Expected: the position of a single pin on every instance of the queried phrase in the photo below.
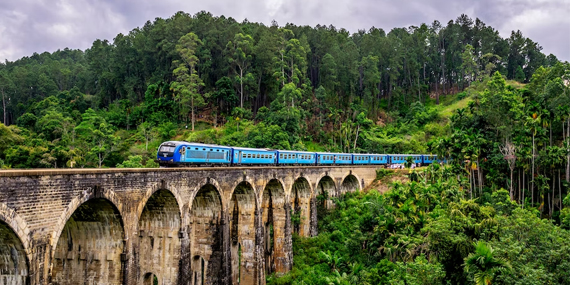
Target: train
(182, 153)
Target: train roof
(339, 153)
(252, 149)
(296, 151)
(177, 143)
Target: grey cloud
(28, 26)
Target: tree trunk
(240, 90)
(4, 106)
(523, 188)
(553, 193)
(532, 173)
(192, 103)
(560, 189)
(568, 150)
(511, 192)
(356, 138)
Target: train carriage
(325, 158)
(295, 157)
(402, 158)
(360, 159)
(429, 158)
(378, 159)
(244, 155)
(193, 153)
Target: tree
(188, 84)
(98, 135)
(469, 64)
(484, 265)
(519, 74)
(147, 131)
(509, 151)
(8, 137)
(240, 51)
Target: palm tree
(484, 265)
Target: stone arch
(326, 186)
(198, 271)
(300, 200)
(350, 183)
(17, 224)
(14, 254)
(159, 240)
(75, 203)
(150, 192)
(213, 185)
(242, 213)
(276, 228)
(207, 233)
(90, 246)
(150, 279)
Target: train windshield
(166, 148)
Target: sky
(28, 26)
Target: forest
(247, 84)
(498, 110)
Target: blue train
(181, 153)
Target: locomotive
(182, 153)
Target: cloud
(28, 26)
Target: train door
(239, 157)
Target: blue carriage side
(244, 155)
(430, 158)
(402, 158)
(378, 159)
(361, 159)
(325, 158)
(196, 153)
(295, 157)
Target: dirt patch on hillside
(385, 183)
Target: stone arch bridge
(161, 226)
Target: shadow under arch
(90, 245)
(14, 262)
(151, 192)
(150, 279)
(324, 190)
(159, 247)
(77, 202)
(350, 184)
(300, 200)
(276, 228)
(242, 213)
(206, 234)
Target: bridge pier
(175, 226)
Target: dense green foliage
(266, 86)
(428, 232)
(517, 139)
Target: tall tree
(240, 56)
(188, 83)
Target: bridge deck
(72, 171)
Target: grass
(447, 111)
